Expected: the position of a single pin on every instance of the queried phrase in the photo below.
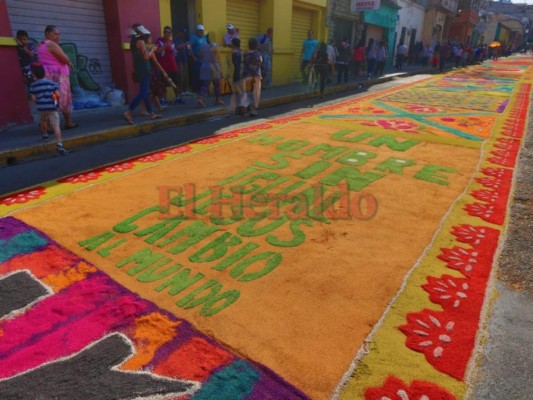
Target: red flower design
(507, 144)
(502, 153)
(179, 150)
(434, 334)
(505, 158)
(397, 125)
(309, 113)
(23, 196)
(476, 236)
(395, 389)
(496, 172)
(486, 212)
(151, 157)
(512, 133)
(115, 168)
(250, 129)
(473, 235)
(228, 135)
(490, 182)
(263, 126)
(490, 196)
(208, 140)
(81, 178)
(448, 291)
(460, 259)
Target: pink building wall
(14, 106)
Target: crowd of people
(177, 63)
(164, 68)
(457, 54)
(182, 63)
(320, 62)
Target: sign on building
(365, 5)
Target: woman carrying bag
(142, 66)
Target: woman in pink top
(57, 66)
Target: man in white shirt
(332, 59)
(401, 55)
(231, 34)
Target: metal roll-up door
(374, 32)
(83, 34)
(301, 22)
(244, 14)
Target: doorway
(182, 15)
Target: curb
(12, 156)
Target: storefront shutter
(374, 32)
(244, 14)
(301, 23)
(81, 22)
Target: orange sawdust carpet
(345, 252)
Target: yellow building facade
(290, 21)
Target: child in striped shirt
(45, 94)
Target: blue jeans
(267, 61)
(303, 67)
(144, 95)
(371, 66)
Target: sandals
(155, 116)
(128, 119)
(200, 104)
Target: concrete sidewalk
(102, 124)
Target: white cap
(143, 30)
(200, 28)
(230, 26)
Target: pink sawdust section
(63, 324)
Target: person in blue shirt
(45, 94)
(308, 50)
(197, 40)
(265, 47)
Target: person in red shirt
(358, 58)
(166, 56)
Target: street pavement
(20, 143)
(506, 352)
